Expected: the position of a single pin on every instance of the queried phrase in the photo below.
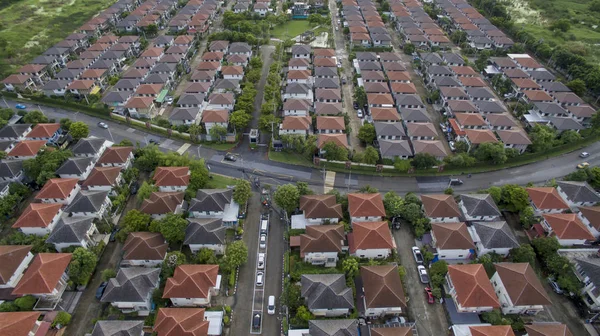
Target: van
(271, 306)
(264, 224)
(256, 321)
(261, 261)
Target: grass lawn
(293, 27)
(220, 182)
(32, 26)
(219, 146)
(291, 158)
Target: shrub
(25, 303)
(62, 318)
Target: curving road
(275, 173)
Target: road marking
(256, 289)
(329, 181)
(131, 130)
(183, 148)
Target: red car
(430, 298)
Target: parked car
(429, 295)
(583, 165)
(134, 188)
(395, 320)
(113, 234)
(418, 255)
(230, 157)
(261, 261)
(452, 145)
(153, 142)
(584, 155)
(263, 241)
(256, 321)
(423, 276)
(100, 290)
(555, 287)
(20, 107)
(359, 113)
(355, 105)
(259, 279)
(271, 305)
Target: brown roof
(93, 73)
(362, 205)
(298, 74)
(472, 286)
(339, 139)
(403, 88)
(102, 176)
(37, 215)
(11, 256)
(81, 84)
(462, 105)
(470, 119)
(183, 39)
(152, 52)
(322, 238)
(162, 202)
(383, 286)
(452, 236)
(43, 274)
(31, 68)
(546, 198)
(592, 214)
(191, 281)
(16, 79)
(421, 129)
(370, 235)
(538, 95)
(145, 246)
(324, 52)
(433, 147)
(204, 65)
(181, 322)
(477, 136)
(59, 188)
(440, 205)
(398, 76)
(525, 83)
(18, 323)
(298, 62)
(463, 70)
(501, 119)
(296, 104)
(522, 284)
(320, 206)
(547, 329)
(172, 176)
(497, 330)
(324, 61)
(568, 226)
(232, 70)
(384, 113)
(43, 130)
(140, 102)
(115, 154)
(149, 89)
(213, 56)
(380, 99)
(296, 123)
(331, 94)
(472, 82)
(330, 123)
(527, 62)
(393, 331)
(215, 116)
(27, 148)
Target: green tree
(393, 204)
(145, 190)
(108, 273)
(424, 161)
(26, 303)
(79, 130)
(461, 146)
(489, 151)
(44, 165)
(570, 136)
(303, 314)
(172, 227)
(366, 133)
(409, 48)
(514, 197)
(291, 296)
(65, 124)
(496, 193)
(242, 191)
(133, 221)
(217, 132)
(527, 217)
(236, 255)
(303, 188)
(287, 197)
(371, 155)
(206, 256)
(335, 152)
(350, 267)
(172, 260)
(546, 246)
(522, 254)
(35, 117)
(83, 264)
(240, 120)
(577, 86)
(562, 24)
(542, 138)
(62, 318)
(460, 160)
(266, 122)
(360, 96)
(594, 6)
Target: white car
(263, 241)
(417, 254)
(259, 279)
(584, 155)
(261, 261)
(271, 305)
(423, 276)
(452, 145)
(359, 113)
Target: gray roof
(118, 328)
(103, 64)
(5, 144)
(555, 87)
(132, 284)
(211, 200)
(239, 47)
(366, 56)
(326, 71)
(87, 201)
(301, 49)
(163, 39)
(391, 148)
(328, 83)
(56, 84)
(69, 73)
(579, 192)
(482, 40)
(156, 79)
(381, 37)
(480, 92)
(227, 84)
(432, 58)
(74, 166)
(439, 70)
(480, 205)
(489, 106)
(495, 235)
(205, 231)
(88, 146)
(70, 230)
(10, 168)
(541, 75)
(184, 113)
(117, 96)
(408, 99)
(453, 58)
(44, 60)
(550, 108)
(389, 128)
(414, 114)
(14, 131)
(164, 67)
(127, 84)
(296, 88)
(563, 124)
(347, 327)
(326, 291)
(369, 66)
(442, 81)
(591, 268)
(191, 99)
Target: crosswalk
(183, 148)
(329, 181)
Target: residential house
(327, 295)
(329, 125)
(567, 228)
(79, 168)
(452, 241)
(39, 218)
(104, 179)
(380, 100)
(116, 156)
(88, 203)
(178, 321)
(328, 108)
(333, 327)
(371, 240)
(118, 328)
(296, 107)
(470, 289)
(577, 194)
(440, 208)
(394, 149)
(317, 210)
(171, 178)
(587, 269)
(502, 121)
(193, 285)
(296, 125)
(215, 203)
(90, 147)
(365, 207)
(25, 149)
(205, 233)
(547, 329)
(340, 139)
(131, 290)
(471, 121)
(145, 249)
(73, 231)
(328, 95)
(159, 204)
(213, 118)
(298, 64)
(219, 46)
(58, 190)
(19, 83)
(590, 216)
(493, 237)
(241, 48)
(421, 131)
(546, 200)
(139, 107)
(220, 101)
(479, 207)
(55, 87)
(382, 291)
(519, 289)
(48, 132)
(14, 260)
(321, 244)
(514, 138)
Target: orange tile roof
(477, 136)
(472, 82)
(102, 176)
(115, 154)
(296, 123)
(140, 102)
(538, 95)
(215, 116)
(27, 148)
(547, 329)
(383, 286)
(181, 322)
(11, 256)
(162, 202)
(322, 238)
(191, 281)
(452, 236)
(339, 139)
(18, 323)
(232, 70)
(470, 119)
(385, 113)
(298, 74)
(145, 246)
(37, 215)
(330, 123)
(370, 235)
(440, 205)
(324, 52)
(522, 284)
(43, 274)
(320, 206)
(59, 188)
(380, 99)
(472, 286)
(497, 330)
(81, 84)
(568, 226)
(463, 70)
(361, 205)
(546, 198)
(404, 88)
(43, 130)
(172, 176)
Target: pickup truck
(417, 254)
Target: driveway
(430, 318)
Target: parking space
(258, 297)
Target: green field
(31, 26)
(290, 29)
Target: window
(460, 255)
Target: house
(333, 327)
(587, 269)
(58, 190)
(519, 289)
(567, 228)
(327, 295)
(145, 249)
(46, 279)
(393, 149)
(104, 179)
(25, 149)
(502, 121)
(380, 100)
(241, 48)
(365, 207)
(339, 139)
(159, 204)
(301, 51)
(118, 328)
(15, 132)
(298, 64)
(479, 207)
(471, 121)
(212, 118)
(205, 233)
(421, 131)
(24, 323)
(440, 208)
(131, 290)
(371, 240)
(193, 285)
(470, 289)
(220, 101)
(590, 216)
(178, 321)
(547, 329)
(481, 329)
(14, 260)
(219, 46)
(296, 107)
(172, 178)
(90, 147)
(328, 108)
(16, 82)
(116, 156)
(317, 210)
(546, 200)
(321, 244)
(215, 203)
(493, 237)
(88, 203)
(73, 231)
(233, 72)
(329, 125)
(577, 194)
(514, 138)
(382, 291)
(39, 218)
(452, 241)
(296, 125)
(48, 132)
(187, 115)
(79, 168)
(140, 106)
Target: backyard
(290, 29)
(29, 27)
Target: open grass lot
(31, 26)
(290, 29)
(220, 181)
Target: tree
(124, 143)
(409, 48)
(267, 122)
(368, 189)
(393, 204)
(461, 146)
(62, 318)
(217, 132)
(287, 197)
(172, 227)
(240, 119)
(521, 254)
(577, 86)
(35, 117)
(206, 256)
(83, 264)
(291, 296)
(563, 25)
(242, 191)
(423, 161)
(303, 188)
(366, 133)
(496, 193)
(371, 155)
(360, 96)
(151, 29)
(411, 212)
(148, 158)
(108, 273)
(145, 190)
(335, 152)
(236, 255)
(514, 197)
(303, 314)
(542, 138)
(546, 246)
(489, 151)
(172, 260)
(350, 267)
(44, 165)
(65, 124)
(79, 130)
(133, 221)
(570, 136)
(26, 303)
(527, 217)
(594, 6)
